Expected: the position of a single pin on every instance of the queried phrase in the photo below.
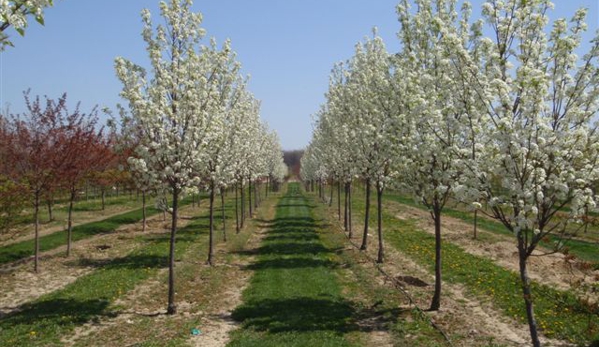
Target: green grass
(44, 321)
(559, 314)
(96, 204)
(361, 282)
(294, 298)
(60, 209)
(584, 250)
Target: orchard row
(190, 125)
(498, 113)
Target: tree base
(171, 309)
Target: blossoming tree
(14, 13)
(170, 106)
(540, 149)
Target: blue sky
(287, 46)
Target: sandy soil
(555, 269)
(217, 324)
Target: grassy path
(294, 298)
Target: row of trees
(497, 113)
(194, 123)
(46, 152)
(192, 126)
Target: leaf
(40, 19)
(21, 31)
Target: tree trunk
(475, 223)
(103, 199)
(70, 222)
(211, 228)
(349, 211)
(366, 217)
(242, 203)
(526, 292)
(250, 196)
(236, 209)
(436, 302)
(256, 197)
(172, 308)
(379, 204)
(331, 197)
(339, 199)
(267, 185)
(50, 214)
(222, 207)
(143, 211)
(346, 206)
(36, 217)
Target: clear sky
(287, 46)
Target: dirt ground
(477, 323)
(217, 323)
(205, 296)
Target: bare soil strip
(217, 324)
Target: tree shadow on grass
(297, 314)
(296, 205)
(55, 316)
(277, 237)
(58, 311)
(306, 314)
(142, 261)
(292, 263)
(290, 248)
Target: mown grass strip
(44, 321)
(584, 250)
(382, 303)
(24, 249)
(294, 298)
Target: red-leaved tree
(35, 151)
